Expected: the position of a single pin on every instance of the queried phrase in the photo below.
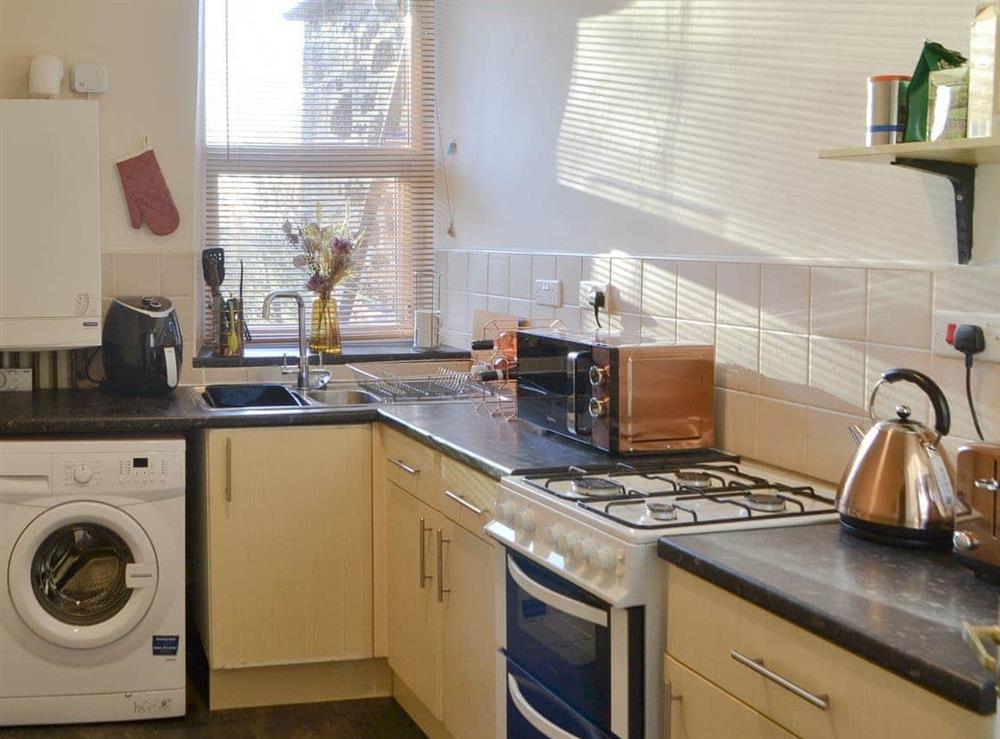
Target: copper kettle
(897, 490)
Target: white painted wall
(689, 128)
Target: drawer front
(696, 709)
(411, 465)
(467, 497)
(804, 683)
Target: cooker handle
(555, 600)
(942, 414)
(572, 362)
(541, 724)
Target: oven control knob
(601, 559)
(598, 375)
(598, 407)
(506, 512)
(583, 549)
(83, 474)
(524, 520)
(567, 543)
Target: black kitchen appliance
(142, 346)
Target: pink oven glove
(147, 194)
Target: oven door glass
(536, 713)
(560, 634)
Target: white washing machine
(92, 595)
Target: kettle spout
(856, 433)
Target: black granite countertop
(492, 445)
(489, 443)
(899, 608)
(101, 412)
(271, 355)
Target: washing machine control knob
(83, 474)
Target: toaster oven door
(553, 389)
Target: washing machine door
(82, 574)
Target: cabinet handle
(229, 469)
(404, 467)
(423, 553)
(460, 499)
(822, 702)
(668, 706)
(441, 541)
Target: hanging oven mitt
(147, 194)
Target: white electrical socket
(989, 322)
(589, 288)
(15, 379)
(548, 292)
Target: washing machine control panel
(119, 472)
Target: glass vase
(325, 335)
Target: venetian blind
(327, 102)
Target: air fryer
(142, 346)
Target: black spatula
(213, 268)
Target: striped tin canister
(886, 117)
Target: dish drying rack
(443, 384)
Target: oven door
(533, 712)
(578, 647)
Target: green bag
(933, 57)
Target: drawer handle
(463, 502)
(404, 467)
(822, 702)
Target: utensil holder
(231, 329)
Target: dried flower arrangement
(326, 251)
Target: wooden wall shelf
(984, 150)
(954, 159)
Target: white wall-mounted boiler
(50, 224)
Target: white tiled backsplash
(797, 347)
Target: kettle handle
(942, 414)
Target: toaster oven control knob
(524, 520)
(598, 375)
(506, 512)
(83, 474)
(598, 407)
(601, 559)
(585, 548)
(552, 535)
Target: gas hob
(597, 526)
(665, 497)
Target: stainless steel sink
(338, 397)
(274, 397)
(240, 397)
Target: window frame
(404, 163)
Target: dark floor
(376, 718)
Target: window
(327, 102)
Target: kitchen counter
(492, 445)
(898, 608)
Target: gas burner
(594, 486)
(694, 478)
(764, 502)
(661, 510)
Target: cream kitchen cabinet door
(699, 710)
(469, 652)
(288, 544)
(414, 615)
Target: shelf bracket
(963, 180)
